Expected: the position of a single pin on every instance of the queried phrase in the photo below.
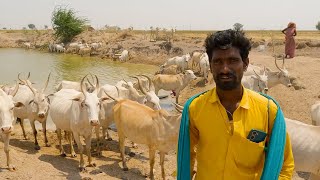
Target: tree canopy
(238, 27)
(67, 24)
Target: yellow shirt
(223, 150)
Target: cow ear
(18, 104)
(76, 99)
(104, 98)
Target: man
(233, 132)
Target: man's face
(227, 68)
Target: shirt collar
(244, 103)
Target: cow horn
(151, 85)
(275, 61)
(140, 86)
(125, 81)
(28, 75)
(179, 110)
(97, 83)
(15, 90)
(256, 74)
(90, 82)
(28, 84)
(20, 78)
(113, 98)
(178, 106)
(46, 84)
(81, 86)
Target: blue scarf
(274, 153)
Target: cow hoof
(92, 165)
(48, 145)
(26, 138)
(109, 139)
(63, 155)
(125, 169)
(83, 169)
(12, 168)
(73, 155)
(37, 147)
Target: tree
(45, 27)
(238, 27)
(31, 26)
(66, 24)
(318, 26)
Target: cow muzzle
(94, 122)
(289, 85)
(6, 129)
(41, 115)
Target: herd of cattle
(83, 49)
(134, 107)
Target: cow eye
(11, 109)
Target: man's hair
(226, 39)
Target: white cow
(124, 55)
(175, 83)
(36, 107)
(305, 144)
(76, 112)
(315, 113)
(172, 69)
(195, 58)
(27, 45)
(258, 83)
(181, 62)
(204, 66)
(274, 77)
(96, 46)
(6, 121)
(155, 128)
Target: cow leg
(98, 148)
(88, 149)
(22, 127)
(177, 96)
(36, 147)
(70, 139)
(162, 154)
(104, 130)
(77, 139)
(44, 128)
(152, 154)
(62, 153)
(122, 149)
(6, 139)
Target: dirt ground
(47, 164)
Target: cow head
(283, 75)
(91, 102)
(261, 81)
(189, 75)
(40, 102)
(152, 100)
(6, 110)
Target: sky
(179, 14)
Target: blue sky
(181, 14)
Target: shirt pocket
(245, 159)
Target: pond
(66, 67)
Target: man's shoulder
(261, 100)
(197, 102)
